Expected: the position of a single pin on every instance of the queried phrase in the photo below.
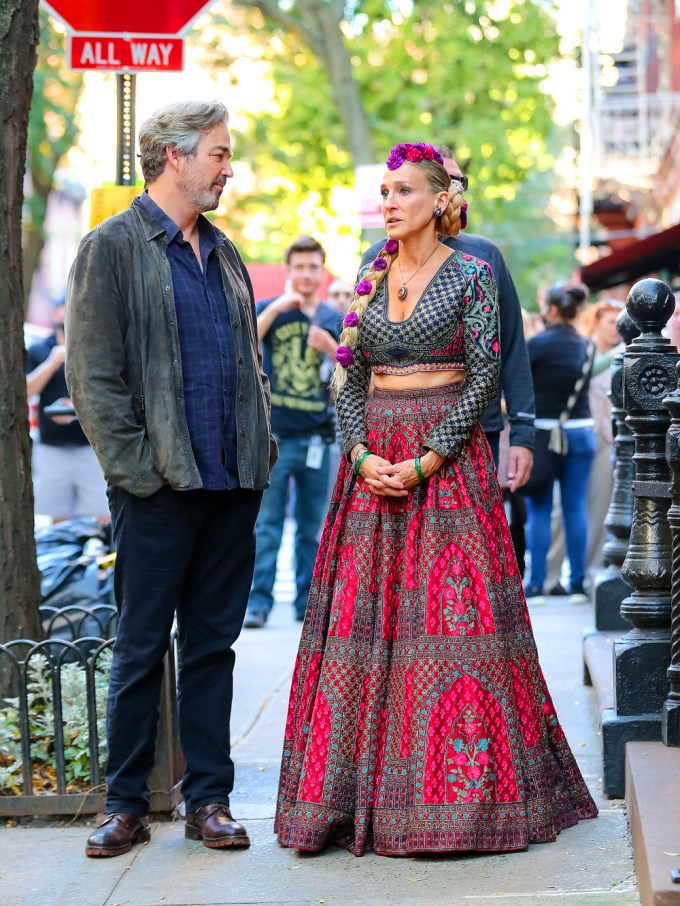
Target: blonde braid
(449, 223)
(358, 305)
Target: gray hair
(179, 125)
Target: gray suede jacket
(123, 365)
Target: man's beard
(200, 198)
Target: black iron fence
(52, 725)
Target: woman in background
(561, 363)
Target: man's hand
(57, 356)
(520, 461)
(322, 341)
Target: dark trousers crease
(189, 553)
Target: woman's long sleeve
(351, 402)
(482, 363)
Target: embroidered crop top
(454, 325)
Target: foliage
(40, 695)
(52, 132)
(465, 73)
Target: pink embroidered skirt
(419, 719)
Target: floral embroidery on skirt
(419, 719)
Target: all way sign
(126, 35)
(117, 54)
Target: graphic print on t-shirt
(296, 369)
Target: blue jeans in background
(310, 504)
(573, 475)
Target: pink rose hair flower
(413, 152)
(463, 215)
(345, 356)
(364, 288)
(351, 319)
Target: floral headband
(412, 152)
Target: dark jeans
(573, 475)
(311, 502)
(189, 553)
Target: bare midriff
(418, 379)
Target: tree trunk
(19, 578)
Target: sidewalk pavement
(589, 865)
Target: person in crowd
(339, 295)
(419, 720)
(67, 479)
(165, 373)
(515, 383)
(299, 335)
(598, 321)
(561, 364)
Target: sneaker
(558, 591)
(254, 620)
(534, 595)
(577, 593)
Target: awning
(640, 259)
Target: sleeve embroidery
(482, 353)
(351, 399)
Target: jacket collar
(153, 229)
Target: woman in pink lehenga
(419, 719)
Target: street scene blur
(340, 452)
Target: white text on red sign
(134, 54)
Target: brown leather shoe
(214, 825)
(116, 835)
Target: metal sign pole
(125, 166)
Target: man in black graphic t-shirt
(299, 337)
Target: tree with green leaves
(349, 80)
(52, 131)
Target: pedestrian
(419, 720)
(515, 382)
(598, 322)
(299, 335)
(339, 295)
(165, 372)
(561, 365)
(67, 479)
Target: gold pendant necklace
(402, 292)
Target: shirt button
(167, 287)
(242, 433)
(240, 360)
(241, 396)
(234, 323)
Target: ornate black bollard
(670, 722)
(641, 657)
(610, 589)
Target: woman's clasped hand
(396, 479)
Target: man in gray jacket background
(165, 372)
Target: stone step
(653, 803)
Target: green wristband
(357, 462)
(419, 471)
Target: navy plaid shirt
(207, 350)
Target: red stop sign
(157, 17)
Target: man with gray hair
(165, 372)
